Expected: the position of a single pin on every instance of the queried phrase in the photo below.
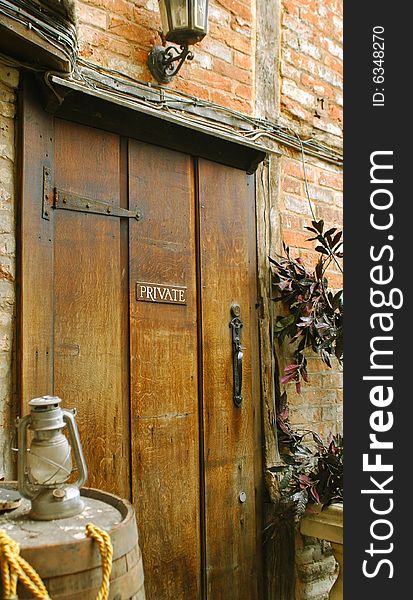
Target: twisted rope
(13, 567)
(102, 538)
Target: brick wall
(320, 401)
(8, 84)
(311, 101)
(311, 64)
(120, 33)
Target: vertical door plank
(91, 347)
(232, 455)
(164, 383)
(35, 256)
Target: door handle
(236, 325)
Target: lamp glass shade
(49, 459)
(184, 22)
(201, 15)
(179, 14)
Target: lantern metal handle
(26, 489)
(69, 419)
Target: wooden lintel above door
(140, 121)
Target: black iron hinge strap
(60, 199)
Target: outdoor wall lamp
(184, 22)
(46, 466)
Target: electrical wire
(53, 28)
(250, 128)
(61, 34)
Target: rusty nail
(109, 209)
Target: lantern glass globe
(184, 22)
(49, 458)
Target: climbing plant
(313, 470)
(315, 313)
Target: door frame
(36, 140)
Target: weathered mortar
(8, 83)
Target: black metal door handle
(236, 325)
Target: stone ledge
(326, 524)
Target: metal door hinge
(48, 194)
(60, 199)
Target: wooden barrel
(68, 562)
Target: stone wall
(316, 569)
(8, 84)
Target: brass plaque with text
(158, 292)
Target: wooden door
(151, 376)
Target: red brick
(232, 39)
(291, 7)
(296, 109)
(244, 61)
(332, 381)
(297, 25)
(332, 180)
(310, 16)
(334, 63)
(228, 100)
(190, 87)
(293, 186)
(92, 16)
(291, 221)
(309, 257)
(290, 72)
(122, 8)
(316, 365)
(295, 169)
(208, 78)
(300, 61)
(233, 72)
(133, 32)
(147, 18)
(297, 239)
(243, 91)
(320, 87)
(238, 8)
(335, 281)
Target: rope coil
(13, 567)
